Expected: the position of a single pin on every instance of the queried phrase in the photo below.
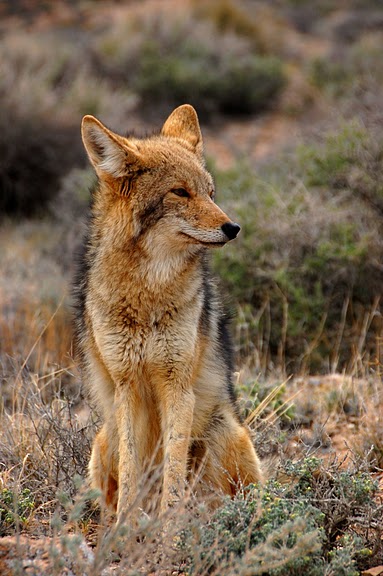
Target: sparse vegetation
(178, 59)
(304, 277)
(347, 73)
(310, 275)
(167, 58)
(210, 82)
(307, 525)
(15, 509)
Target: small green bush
(250, 85)
(170, 61)
(15, 509)
(272, 397)
(349, 159)
(310, 525)
(343, 74)
(208, 81)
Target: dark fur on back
(83, 263)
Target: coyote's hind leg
(231, 459)
(103, 466)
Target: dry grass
(46, 429)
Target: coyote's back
(152, 339)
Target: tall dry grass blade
(334, 361)
(272, 418)
(40, 335)
(265, 402)
(314, 343)
(357, 359)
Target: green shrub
(174, 78)
(344, 73)
(349, 159)
(304, 269)
(270, 397)
(207, 81)
(311, 525)
(250, 85)
(15, 508)
(172, 60)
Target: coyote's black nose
(230, 229)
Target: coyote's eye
(181, 192)
(212, 194)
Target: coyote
(153, 341)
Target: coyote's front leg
(177, 417)
(126, 416)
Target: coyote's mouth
(204, 242)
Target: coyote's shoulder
(152, 339)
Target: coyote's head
(157, 189)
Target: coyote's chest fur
(138, 325)
(152, 339)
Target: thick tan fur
(150, 331)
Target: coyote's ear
(106, 150)
(183, 124)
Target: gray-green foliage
(211, 81)
(15, 508)
(308, 525)
(176, 61)
(305, 268)
(185, 60)
(346, 73)
(349, 160)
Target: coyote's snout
(152, 339)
